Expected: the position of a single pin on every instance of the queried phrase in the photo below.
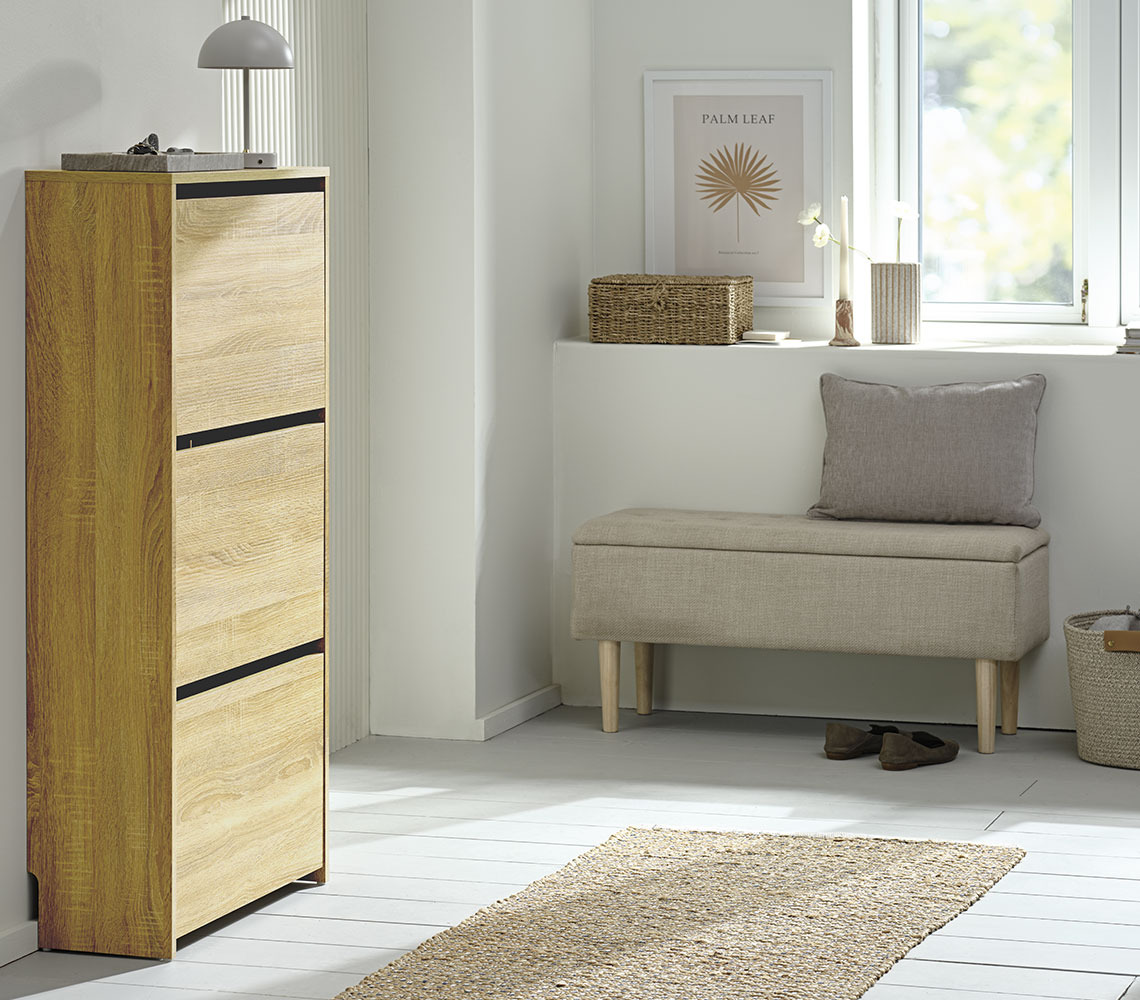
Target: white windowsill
(1044, 338)
(962, 338)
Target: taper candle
(844, 264)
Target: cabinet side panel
(322, 874)
(100, 616)
(134, 445)
(60, 468)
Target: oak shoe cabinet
(176, 548)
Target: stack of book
(763, 336)
(1131, 343)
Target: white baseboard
(517, 712)
(490, 725)
(17, 941)
(432, 729)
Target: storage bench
(779, 581)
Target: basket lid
(675, 279)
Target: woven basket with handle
(670, 309)
(1106, 694)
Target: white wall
(533, 232)
(422, 355)
(75, 76)
(480, 197)
(741, 428)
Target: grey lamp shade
(245, 44)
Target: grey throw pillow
(947, 453)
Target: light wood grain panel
(249, 286)
(986, 678)
(609, 664)
(249, 773)
(1010, 685)
(60, 556)
(249, 548)
(643, 668)
(234, 639)
(321, 875)
(99, 457)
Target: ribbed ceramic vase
(896, 303)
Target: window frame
(1130, 164)
(1097, 53)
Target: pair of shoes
(898, 750)
(844, 742)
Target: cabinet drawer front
(249, 549)
(249, 789)
(249, 308)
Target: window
(1008, 128)
(1130, 163)
(996, 155)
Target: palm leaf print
(740, 174)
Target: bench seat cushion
(711, 529)
(790, 582)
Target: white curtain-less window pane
(997, 151)
(1130, 163)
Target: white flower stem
(869, 258)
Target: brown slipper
(844, 742)
(901, 752)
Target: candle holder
(844, 325)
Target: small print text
(739, 119)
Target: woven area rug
(702, 916)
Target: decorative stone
(145, 147)
(155, 163)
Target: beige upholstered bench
(706, 578)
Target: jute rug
(702, 916)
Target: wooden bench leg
(609, 660)
(986, 672)
(1010, 682)
(643, 662)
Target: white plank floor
(425, 832)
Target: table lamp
(247, 45)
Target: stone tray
(162, 163)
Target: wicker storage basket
(669, 309)
(1106, 695)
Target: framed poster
(731, 158)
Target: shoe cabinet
(176, 548)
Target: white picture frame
(731, 158)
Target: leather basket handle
(1122, 642)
